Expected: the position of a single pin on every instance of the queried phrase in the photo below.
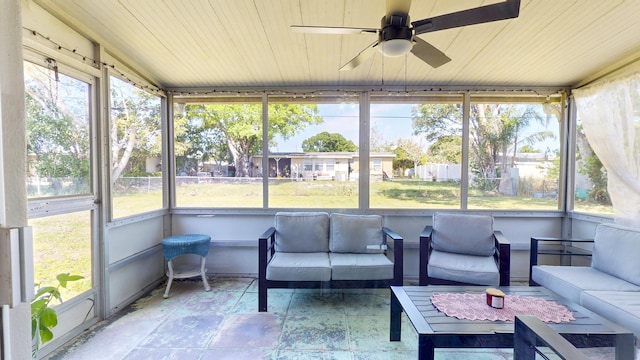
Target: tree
(241, 127)
(590, 165)
(414, 151)
(328, 142)
(136, 132)
(446, 150)
(57, 127)
(495, 132)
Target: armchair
(464, 249)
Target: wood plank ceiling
(248, 43)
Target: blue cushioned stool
(177, 245)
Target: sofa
(318, 250)
(610, 286)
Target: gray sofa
(318, 250)
(609, 287)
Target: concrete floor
(225, 324)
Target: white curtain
(610, 115)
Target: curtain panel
(610, 115)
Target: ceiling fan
(397, 35)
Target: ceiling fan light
(395, 47)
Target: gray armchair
(464, 249)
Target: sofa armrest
(266, 248)
(534, 250)
(503, 254)
(398, 255)
(425, 250)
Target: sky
(393, 121)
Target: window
(57, 112)
(216, 143)
(591, 178)
(58, 125)
(316, 144)
(62, 244)
(514, 160)
(377, 165)
(136, 150)
(416, 153)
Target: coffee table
(436, 330)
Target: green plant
(43, 317)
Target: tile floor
(225, 324)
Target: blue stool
(177, 245)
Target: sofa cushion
(620, 307)
(352, 233)
(299, 267)
(360, 266)
(463, 234)
(570, 281)
(302, 231)
(615, 252)
(480, 270)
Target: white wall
(235, 238)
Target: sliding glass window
(216, 141)
(514, 155)
(415, 153)
(313, 152)
(136, 150)
(591, 193)
(59, 175)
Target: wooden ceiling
(248, 43)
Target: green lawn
(62, 242)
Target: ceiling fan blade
(429, 53)
(395, 7)
(360, 58)
(332, 30)
(494, 12)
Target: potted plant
(43, 317)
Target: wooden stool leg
(203, 273)
(166, 292)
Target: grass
(62, 243)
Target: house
(188, 65)
(340, 166)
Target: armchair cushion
(299, 267)
(615, 252)
(352, 233)
(481, 270)
(299, 232)
(360, 266)
(463, 234)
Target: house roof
(236, 44)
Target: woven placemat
(474, 307)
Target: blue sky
(393, 121)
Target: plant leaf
(37, 306)
(66, 277)
(44, 290)
(45, 334)
(49, 318)
(34, 327)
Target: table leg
(396, 319)
(170, 280)
(425, 348)
(203, 274)
(625, 348)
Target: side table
(177, 245)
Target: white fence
(439, 172)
